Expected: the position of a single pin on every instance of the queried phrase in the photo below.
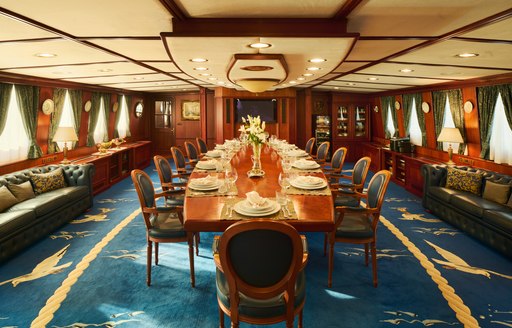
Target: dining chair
(260, 273)
(179, 161)
(163, 224)
(322, 152)
(336, 164)
(175, 191)
(192, 154)
(358, 225)
(310, 145)
(202, 146)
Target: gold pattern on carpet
(406, 216)
(436, 231)
(94, 217)
(68, 235)
(414, 319)
(110, 324)
(43, 269)
(381, 253)
(124, 254)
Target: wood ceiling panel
(141, 50)
(404, 81)
(111, 79)
(498, 31)
(349, 66)
(165, 66)
(370, 50)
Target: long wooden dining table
(204, 214)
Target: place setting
(306, 185)
(255, 206)
(209, 185)
(306, 165)
(213, 153)
(208, 165)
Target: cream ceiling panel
(164, 88)
(261, 8)
(498, 31)
(158, 84)
(11, 29)
(123, 79)
(405, 82)
(420, 17)
(97, 17)
(375, 50)
(491, 55)
(68, 52)
(347, 67)
(347, 89)
(166, 66)
(135, 49)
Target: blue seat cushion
(166, 225)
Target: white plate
(205, 166)
(308, 187)
(308, 166)
(240, 210)
(213, 154)
(246, 206)
(204, 187)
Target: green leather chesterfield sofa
(476, 201)
(45, 198)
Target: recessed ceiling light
(373, 79)
(199, 60)
(317, 60)
(174, 87)
(138, 78)
(308, 74)
(259, 45)
(406, 70)
(336, 88)
(301, 78)
(350, 83)
(104, 70)
(212, 78)
(204, 74)
(221, 82)
(313, 68)
(466, 55)
(200, 68)
(45, 55)
(293, 82)
(160, 83)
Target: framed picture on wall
(190, 110)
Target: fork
(230, 211)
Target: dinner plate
(240, 210)
(205, 165)
(296, 153)
(203, 187)
(246, 206)
(213, 154)
(306, 165)
(298, 184)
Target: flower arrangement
(254, 128)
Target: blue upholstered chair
(322, 152)
(309, 146)
(192, 154)
(336, 164)
(260, 276)
(202, 146)
(182, 168)
(358, 225)
(163, 224)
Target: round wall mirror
(138, 109)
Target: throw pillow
(463, 180)
(44, 182)
(496, 192)
(22, 191)
(7, 199)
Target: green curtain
(418, 98)
(106, 104)
(506, 95)
(59, 95)
(438, 104)
(5, 97)
(407, 105)
(457, 111)
(386, 102)
(75, 96)
(487, 97)
(93, 117)
(28, 101)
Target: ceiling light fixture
(199, 60)
(373, 79)
(138, 78)
(301, 78)
(45, 55)
(350, 83)
(105, 70)
(308, 74)
(205, 74)
(406, 70)
(313, 68)
(317, 60)
(466, 55)
(260, 45)
(200, 68)
(293, 82)
(212, 78)
(257, 85)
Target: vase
(256, 170)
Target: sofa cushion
(43, 204)
(442, 193)
(464, 180)
(496, 192)
(44, 182)
(7, 199)
(72, 193)
(13, 221)
(509, 203)
(473, 204)
(501, 219)
(22, 191)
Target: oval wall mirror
(139, 108)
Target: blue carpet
(91, 273)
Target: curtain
(128, 106)
(118, 115)
(506, 96)
(438, 102)
(386, 102)
(59, 95)
(421, 118)
(487, 97)
(106, 103)
(457, 111)
(5, 97)
(75, 96)
(407, 105)
(93, 117)
(28, 100)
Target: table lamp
(65, 133)
(450, 135)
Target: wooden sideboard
(117, 164)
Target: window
(14, 141)
(163, 114)
(101, 131)
(500, 151)
(414, 126)
(448, 123)
(67, 118)
(390, 127)
(123, 126)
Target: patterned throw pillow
(7, 199)
(44, 182)
(463, 180)
(22, 191)
(496, 192)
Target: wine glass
(284, 180)
(231, 176)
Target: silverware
(230, 211)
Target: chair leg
(325, 243)
(331, 263)
(221, 318)
(374, 264)
(191, 258)
(148, 269)
(366, 254)
(300, 318)
(156, 253)
(198, 240)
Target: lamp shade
(65, 133)
(450, 135)
(257, 85)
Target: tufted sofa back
(437, 175)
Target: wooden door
(164, 132)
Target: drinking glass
(284, 180)
(231, 176)
(281, 197)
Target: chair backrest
(261, 259)
(323, 150)
(179, 159)
(309, 146)
(360, 170)
(191, 151)
(201, 145)
(145, 192)
(164, 169)
(338, 158)
(377, 189)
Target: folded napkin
(308, 180)
(206, 181)
(255, 200)
(208, 163)
(305, 163)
